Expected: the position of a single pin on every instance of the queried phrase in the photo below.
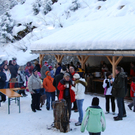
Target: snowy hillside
(43, 19)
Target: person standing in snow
(132, 94)
(72, 72)
(94, 119)
(66, 92)
(29, 67)
(2, 83)
(37, 66)
(34, 85)
(8, 76)
(107, 85)
(118, 91)
(79, 90)
(21, 82)
(59, 77)
(13, 72)
(43, 70)
(51, 71)
(49, 89)
(58, 69)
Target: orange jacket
(48, 84)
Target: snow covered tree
(75, 5)
(36, 7)
(7, 25)
(47, 6)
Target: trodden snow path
(29, 123)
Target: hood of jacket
(94, 111)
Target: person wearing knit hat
(43, 70)
(49, 88)
(66, 92)
(34, 85)
(79, 89)
(94, 119)
(59, 77)
(107, 85)
(51, 71)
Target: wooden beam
(79, 57)
(83, 60)
(86, 58)
(59, 58)
(113, 65)
(41, 57)
(108, 57)
(118, 60)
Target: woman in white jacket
(107, 85)
(8, 75)
(79, 89)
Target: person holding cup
(66, 92)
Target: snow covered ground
(29, 123)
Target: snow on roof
(115, 33)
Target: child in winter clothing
(107, 85)
(94, 119)
(132, 94)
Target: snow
(18, 29)
(30, 123)
(86, 28)
(109, 33)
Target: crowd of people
(67, 82)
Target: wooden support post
(59, 58)
(114, 62)
(113, 65)
(41, 56)
(83, 60)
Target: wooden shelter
(92, 38)
(114, 57)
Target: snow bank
(109, 33)
(18, 29)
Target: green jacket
(94, 120)
(118, 89)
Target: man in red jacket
(66, 93)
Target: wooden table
(11, 96)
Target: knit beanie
(95, 101)
(47, 73)
(46, 64)
(76, 76)
(66, 74)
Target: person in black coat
(37, 66)
(59, 77)
(13, 71)
(2, 83)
